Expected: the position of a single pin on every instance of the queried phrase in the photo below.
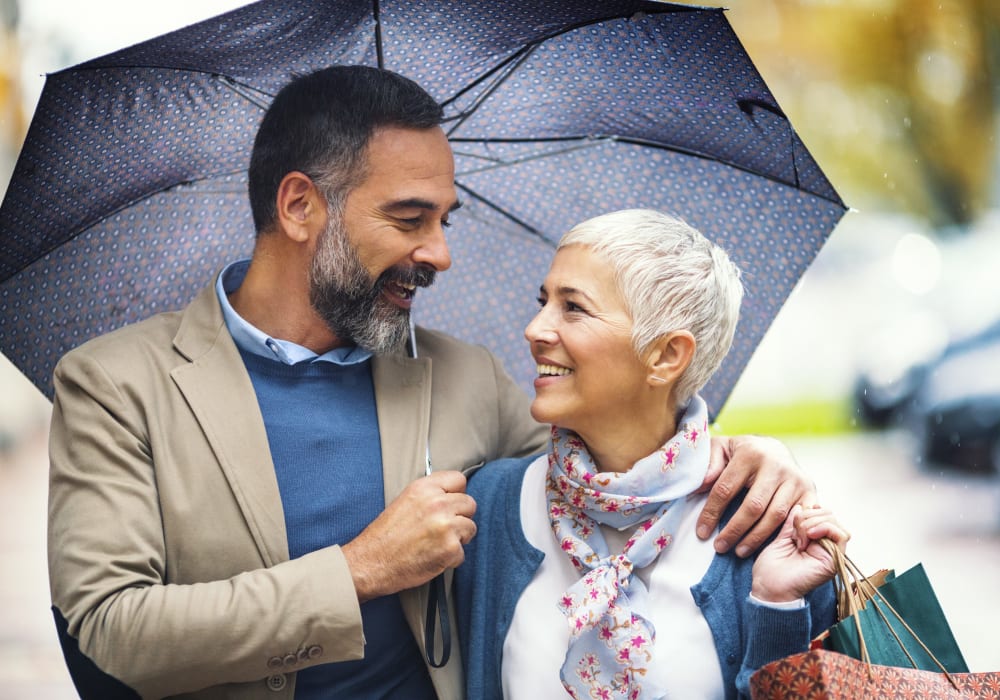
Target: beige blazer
(167, 548)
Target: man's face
(389, 241)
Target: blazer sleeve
(121, 618)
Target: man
(238, 506)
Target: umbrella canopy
(130, 190)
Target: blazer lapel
(217, 387)
(403, 402)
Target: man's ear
(301, 207)
(669, 356)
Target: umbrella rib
(77, 230)
(698, 154)
(377, 16)
(522, 54)
(245, 91)
(605, 138)
(583, 142)
(500, 210)
(511, 65)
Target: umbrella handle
(437, 609)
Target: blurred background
(882, 372)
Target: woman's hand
(795, 563)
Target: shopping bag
(828, 675)
(882, 620)
(892, 642)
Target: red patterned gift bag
(876, 671)
(829, 675)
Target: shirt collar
(250, 339)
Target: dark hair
(320, 125)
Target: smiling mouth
(552, 371)
(402, 290)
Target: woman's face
(589, 376)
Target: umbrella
(129, 192)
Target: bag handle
(854, 590)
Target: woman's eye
(540, 300)
(571, 306)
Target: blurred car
(949, 399)
(894, 364)
(955, 413)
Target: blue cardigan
(499, 564)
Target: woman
(586, 576)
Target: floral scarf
(611, 636)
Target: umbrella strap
(437, 609)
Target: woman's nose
(539, 329)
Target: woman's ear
(301, 207)
(669, 356)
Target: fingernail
(742, 551)
(704, 532)
(721, 546)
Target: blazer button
(277, 682)
(290, 659)
(315, 651)
(274, 662)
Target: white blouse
(685, 661)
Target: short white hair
(671, 278)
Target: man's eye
(445, 223)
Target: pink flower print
(662, 542)
(602, 694)
(670, 453)
(638, 641)
(567, 602)
(558, 510)
(567, 545)
(623, 655)
(587, 477)
(606, 634)
(692, 433)
(610, 507)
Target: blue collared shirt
(251, 339)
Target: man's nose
(433, 250)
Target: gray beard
(350, 302)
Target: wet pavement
(898, 514)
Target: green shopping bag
(899, 619)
